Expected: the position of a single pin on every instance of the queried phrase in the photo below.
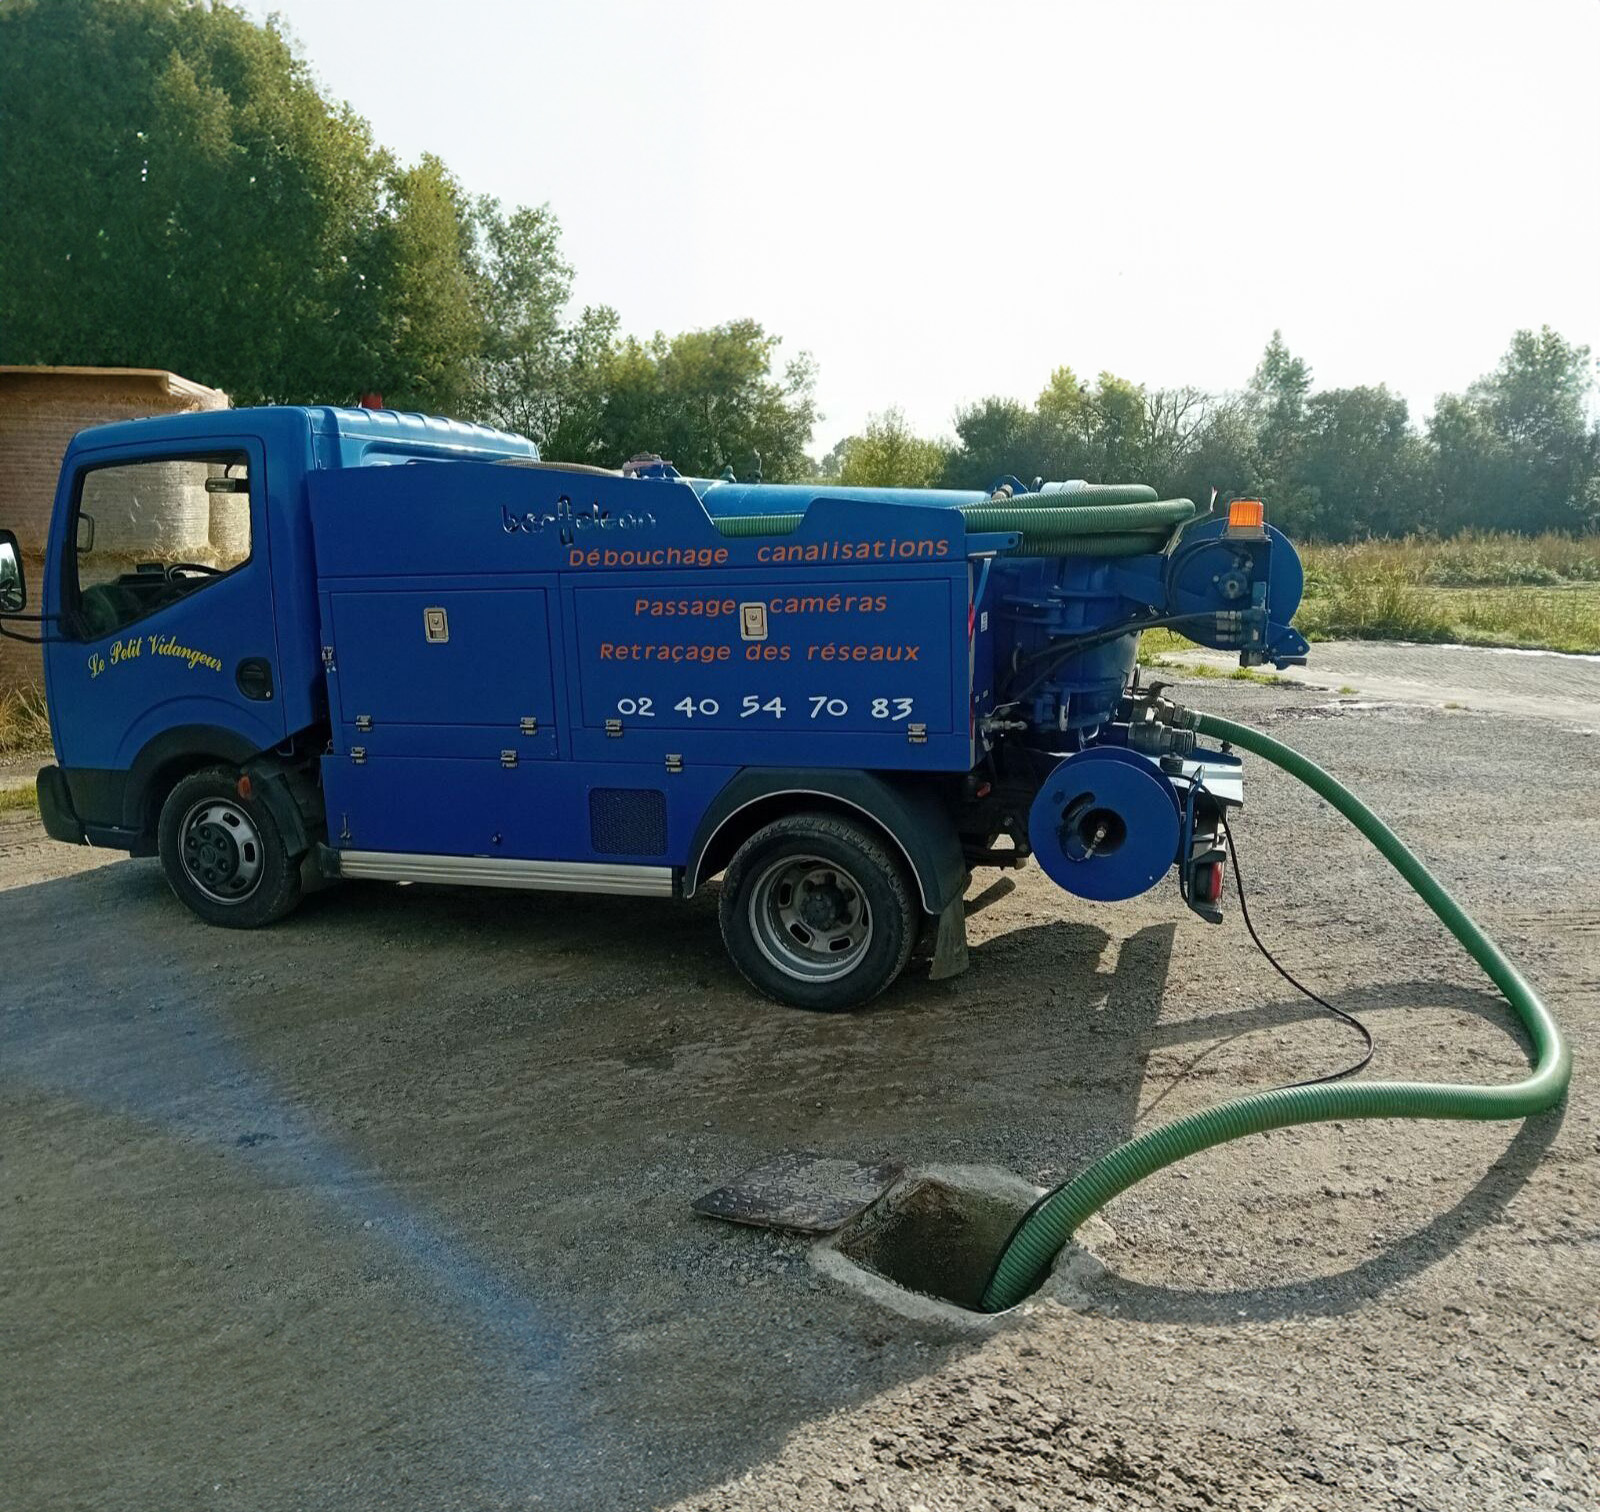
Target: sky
(941, 202)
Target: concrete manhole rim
(1066, 1286)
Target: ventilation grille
(628, 821)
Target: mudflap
(950, 942)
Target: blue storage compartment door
(443, 671)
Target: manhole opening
(935, 1238)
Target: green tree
(1222, 453)
(1281, 386)
(827, 468)
(1119, 432)
(1474, 472)
(995, 438)
(705, 400)
(1066, 405)
(891, 455)
(1278, 394)
(424, 292)
(1112, 431)
(1061, 438)
(1517, 451)
(534, 373)
(177, 194)
(566, 408)
(1361, 469)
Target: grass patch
(1540, 592)
(1163, 643)
(1154, 643)
(24, 723)
(1203, 672)
(19, 799)
(1473, 559)
(1389, 607)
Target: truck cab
(293, 644)
(179, 590)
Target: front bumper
(56, 813)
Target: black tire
(224, 855)
(816, 913)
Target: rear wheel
(816, 912)
(223, 853)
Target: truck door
(162, 579)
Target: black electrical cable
(1058, 651)
(1066, 645)
(1300, 987)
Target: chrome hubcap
(809, 918)
(221, 850)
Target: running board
(499, 871)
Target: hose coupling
(1156, 739)
(1158, 726)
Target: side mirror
(13, 585)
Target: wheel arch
(911, 818)
(166, 760)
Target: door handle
(253, 677)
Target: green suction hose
(1054, 519)
(737, 527)
(1113, 544)
(1119, 519)
(1089, 493)
(1042, 1234)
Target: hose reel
(1105, 824)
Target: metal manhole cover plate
(811, 1194)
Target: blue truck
(287, 645)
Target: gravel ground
(1489, 680)
(389, 1205)
(19, 771)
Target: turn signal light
(1246, 514)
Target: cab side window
(151, 533)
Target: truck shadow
(493, 1110)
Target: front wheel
(816, 913)
(224, 854)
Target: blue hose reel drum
(1210, 569)
(1105, 824)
